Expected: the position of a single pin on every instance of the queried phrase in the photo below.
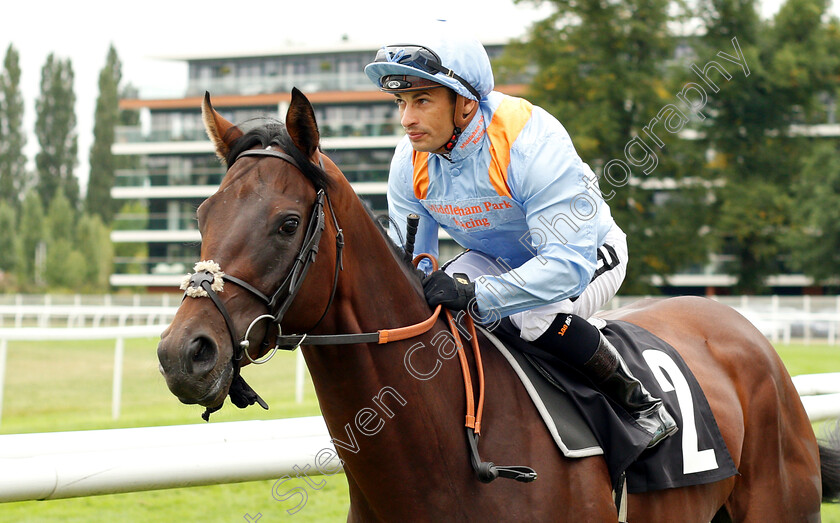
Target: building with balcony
(174, 167)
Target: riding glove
(454, 293)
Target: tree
(61, 220)
(94, 244)
(8, 237)
(12, 135)
(787, 65)
(755, 217)
(55, 128)
(604, 70)
(805, 62)
(133, 216)
(733, 95)
(65, 266)
(31, 235)
(98, 200)
(814, 236)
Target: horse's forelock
(273, 132)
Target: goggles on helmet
(421, 58)
(400, 82)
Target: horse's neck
(382, 292)
(380, 400)
(376, 290)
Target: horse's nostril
(202, 354)
(205, 350)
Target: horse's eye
(290, 225)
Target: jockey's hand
(454, 293)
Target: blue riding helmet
(459, 63)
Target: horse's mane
(268, 131)
(398, 251)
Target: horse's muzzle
(192, 371)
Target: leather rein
(285, 294)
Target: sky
(149, 35)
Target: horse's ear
(220, 131)
(301, 125)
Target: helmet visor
(421, 58)
(395, 83)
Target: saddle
(583, 422)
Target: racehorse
(396, 410)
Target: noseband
(279, 302)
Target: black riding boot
(609, 371)
(580, 344)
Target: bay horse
(402, 440)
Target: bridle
(280, 301)
(285, 294)
(287, 291)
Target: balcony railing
(360, 172)
(308, 83)
(328, 129)
(134, 134)
(184, 221)
(157, 178)
(176, 266)
(375, 128)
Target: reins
(209, 275)
(380, 337)
(486, 471)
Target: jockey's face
(427, 117)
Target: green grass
(67, 386)
(215, 503)
(813, 359)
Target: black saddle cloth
(696, 454)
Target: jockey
(502, 177)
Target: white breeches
(609, 274)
